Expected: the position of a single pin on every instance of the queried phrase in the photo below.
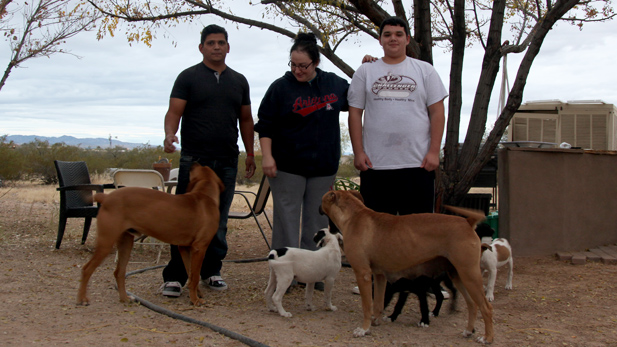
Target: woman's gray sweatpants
(297, 198)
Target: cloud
(124, 91)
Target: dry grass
(36, 206)
(553, 303)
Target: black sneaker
(171, 289)
(216, 283)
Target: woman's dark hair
(307, 43)
(212, 29)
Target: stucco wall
(554, 200)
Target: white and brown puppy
(287, 264)
(494, 255)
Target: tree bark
(422, 30)
(471, 160)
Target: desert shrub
(12, 165)
(256, 179)
(38, 159)
(35, 160)
(346, 168)
(141, 157)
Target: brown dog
(188, 220)
(385, 246)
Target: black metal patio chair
(256, 207)
(76, 195)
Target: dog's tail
(473, 216)
(99, 197)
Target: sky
(122, 91)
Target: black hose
(223, 331)
(253, 260)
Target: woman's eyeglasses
(301, 66)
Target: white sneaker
(172, 289)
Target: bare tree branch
(47, 24)
(454, 24)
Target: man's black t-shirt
(210, 121)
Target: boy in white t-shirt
(397, 147)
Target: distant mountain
(73, 141)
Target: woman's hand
(268, 165)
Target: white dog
(495, 255)
(287, 264)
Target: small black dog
(484, 230)
(425, 276)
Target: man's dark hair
(212, 29)
(395, 21)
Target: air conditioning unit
(586, 124)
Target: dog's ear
(327, 198)
(330, 196)
(485, 247)
(216, 177)
(319, 237)
(339, 238)
(357, 195)
(195, 165)
(193, 173)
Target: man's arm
(361, 160)
(436, 113)
(172, 123)
(248, 137)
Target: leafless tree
(450, 24)
(39, 28)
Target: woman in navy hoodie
(300, 139)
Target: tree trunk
(457, 178)
(422, 30)
(5, 76)
(455, 102)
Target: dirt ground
(553, 303)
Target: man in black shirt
(207, 102)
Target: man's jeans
(226, 169)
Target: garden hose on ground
(223, 331)
(252, 260)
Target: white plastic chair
(173, 174)
(144, 179)
(173, 177)
(139, 178)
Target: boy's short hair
(394, 21)
(212, 29)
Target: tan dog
(384, 245)
(188, 220)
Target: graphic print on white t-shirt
(394, 86)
